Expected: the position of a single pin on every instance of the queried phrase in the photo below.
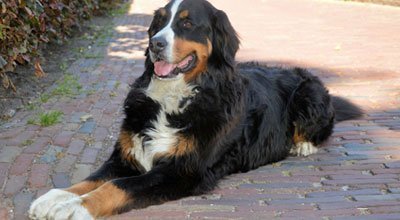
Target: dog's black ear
(225, 40)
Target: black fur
(242, 117)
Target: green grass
(117, 84)
(69, 86)
(44, 98)
(49, 118)
(120, 10)
(27, 142)
(93, 56)
(90, 92)
(46, 119)
(31, 106)
(112, 94)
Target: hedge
(27, 24)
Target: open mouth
(167, 70)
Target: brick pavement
(354, 47)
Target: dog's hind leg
(312, 113)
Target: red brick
(275, 207)
(39, 175)
(106, 120)
(63, 139)
(11, 133)
(358, 204)
(42, 191)
(4, 214)
(21, 202)
(100, 133)
(3, 172)
(22, 164)
(361, 176)
(65, 164)
(89, 155)
(358, 181)
(83, 107)
(38, 145)
(51, 131)
(343, 193)
(232, 215)
(15, 184)
(320, 213)
(20, 138)
(154, 214)
(385, 209)
(75, 147)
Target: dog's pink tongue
(162, 68)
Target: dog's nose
(158, 44)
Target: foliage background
(25, 25)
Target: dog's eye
(187, 24)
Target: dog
(196, 116)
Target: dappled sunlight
(130, 41)
(130, 35)
(128, 48)
(130, 28)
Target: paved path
(355, 48)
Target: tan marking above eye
(184, 14)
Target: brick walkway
(354, 47)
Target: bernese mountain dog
(196, 116)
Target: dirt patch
(56, 58)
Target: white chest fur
(162, 137)
(170, 93)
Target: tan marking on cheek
(105, 200)
(183, 48)
(184, 14)
(84, 187)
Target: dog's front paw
(69, 210)
(41, 206)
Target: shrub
(27, 24)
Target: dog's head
(188, 36)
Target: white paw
(41, 206)
(303, 149)
(69, 210)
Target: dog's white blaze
(168, 33)
(162, 138)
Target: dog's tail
(345, 110)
